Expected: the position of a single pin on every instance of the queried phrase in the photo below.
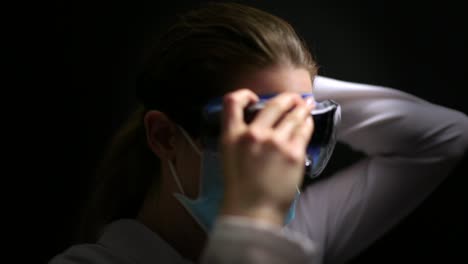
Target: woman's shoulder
(102, 251)
(121, 242)
(88, 253)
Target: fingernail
(310, 101)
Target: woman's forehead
(277, 80)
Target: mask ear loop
(171, 166)
(194, 146)
(176, 178)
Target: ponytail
(123, 178)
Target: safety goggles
(326, 116)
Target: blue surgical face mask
(205, 208)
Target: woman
(145, 207)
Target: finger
(293, 121)
(233, 109)
(301, 136)
(275, 109)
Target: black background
(79, 68)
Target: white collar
(133, 240)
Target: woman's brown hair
(199, 57)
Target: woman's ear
(160, 134)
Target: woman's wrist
(266, 213)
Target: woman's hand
(263, 161)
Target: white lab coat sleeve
(242, 240)
(411, 145)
